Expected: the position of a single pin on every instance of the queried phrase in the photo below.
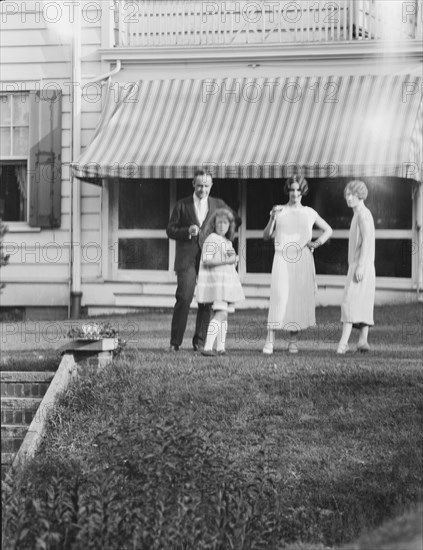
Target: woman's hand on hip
(312, 245)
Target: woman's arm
(270, 227)
(326, 235)
(364, 226)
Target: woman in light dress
(359, 293)
(293, 285)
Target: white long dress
(293, 279)
(359, 297)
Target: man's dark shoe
(196, 345)
(173, 347)
(208, 353)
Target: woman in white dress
(359, 293)
(293, 284)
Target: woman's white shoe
(292, 347)
(342, 349)
(268, 348)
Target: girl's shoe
(268, 348)
(363, 348)
(342, 349)
(292, 347)
(221, 352)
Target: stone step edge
(20, 403)
(26, 376)
(66, 371)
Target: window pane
(5, 110)
(332, 258)
(393, 257)
(5, 142)
(20, 109)
(259, 256)
(143, 204)
(13, 192)
(20, 142)
(389, 201)
(144, 254)
(261, 196)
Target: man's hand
(193, 230)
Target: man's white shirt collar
(201, 208)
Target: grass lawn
(177, 450)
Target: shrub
(153, 483)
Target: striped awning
(259, 128)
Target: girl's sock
(221, 336)
(212, 332)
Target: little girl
(218, 281)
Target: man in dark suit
(186, 226)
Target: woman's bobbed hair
(357, 188)
(302, 182)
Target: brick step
(13, 430)
(26, 376)
(25, 384)
(11, 444)
(19, 410)
(7, 458)
(12, 437)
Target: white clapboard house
(108, 107)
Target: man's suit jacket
(188, 251)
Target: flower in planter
(93, 331)
(97, 331)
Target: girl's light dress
(359, 297)
(219, 283)
(293, 279)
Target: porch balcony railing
(161, 23)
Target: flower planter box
(91, 345)
(92, 342)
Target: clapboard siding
(36, 52)
(91, 36)
(47, 53)
(21, 294)
(90, 221)
(92, 236)
(90, 205)
(25, 37)
(36, 71)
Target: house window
(143, 217)
(14, 152)
(389, 200)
